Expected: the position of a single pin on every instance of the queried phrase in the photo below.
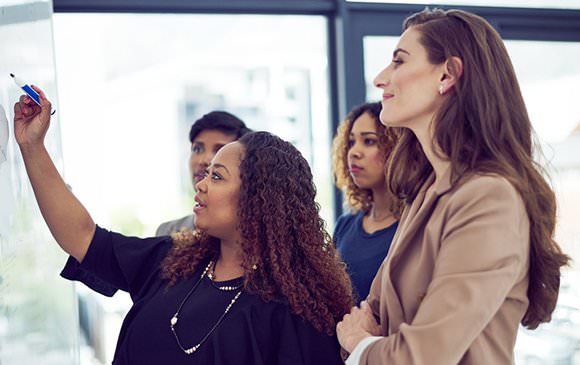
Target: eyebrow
(218, 165)
(399, 50)
(365, 133)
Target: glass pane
(562, 4)
(38, 321)
(549, 75)
(135, 83)
(378, 53)
(129, 102)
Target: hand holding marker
(28, 90)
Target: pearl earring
(441, 89)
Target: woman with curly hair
(363, 235)
(259, 282)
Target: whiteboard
(38, 312)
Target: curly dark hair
(359, 198)
(219, 120)
(281, 233)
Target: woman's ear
(452, 71)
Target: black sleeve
(302, 344)
(114, 262)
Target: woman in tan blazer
(474, 254)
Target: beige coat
(453, 287)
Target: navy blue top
(252, 332)
(362, 252)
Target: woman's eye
(397, 61)
(350, 143)
(370, 141)
(196, 149)
(215, 176)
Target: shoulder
(488, 197)
(488, 183)
(176, 225)
(345, 220)
(491, 188)
(132, 245)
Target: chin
(361, 184)
(209, 230)
(200, 226)
(387, 122)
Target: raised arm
(68, 220)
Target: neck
(438, 163)
(381, 208)
(229, 262)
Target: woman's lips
(355, 169)
(199, 205)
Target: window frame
(347, 25)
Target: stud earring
(441, 89)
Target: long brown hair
(358, 198)
(484, 127)
(282, 235)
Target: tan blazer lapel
(417, 214)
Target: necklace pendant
(173, 320)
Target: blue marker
(27, 89)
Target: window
(133, 85)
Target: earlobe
(452, 74)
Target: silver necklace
(173, 321)
(211, 276)
(374, 218)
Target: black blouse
(252, 332)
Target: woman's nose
(206, 158)
(201, 185)
(354, 152)
(381, 79)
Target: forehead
(410, 41)
(213, 136)
(229, 155)
(364, 123)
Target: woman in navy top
(364, 234)
(259, 282)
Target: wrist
(356, 339)
(31, 149)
